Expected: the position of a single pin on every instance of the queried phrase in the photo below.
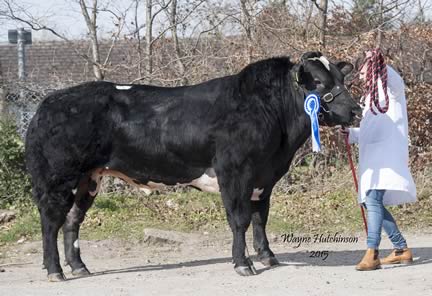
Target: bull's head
(316, 74)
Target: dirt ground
(202, 266)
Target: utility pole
(21, 54)
(20, 37)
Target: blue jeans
(378, 218)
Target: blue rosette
(311, 107)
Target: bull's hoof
(244, 270)
(56, 277)
(82, 271)
(247, 270)
(269, 261)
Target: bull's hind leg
(53, 208)
(260, 211)
(236, 192)
(71, 227)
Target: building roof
(48, 62)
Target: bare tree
(90, 17)
(13, 11)
(422, 6)
(323, 8)
(137, 36)
(308, 13)
(149, 38)
(246, 21)
(178, 53)
(170, 8)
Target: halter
(327, 97)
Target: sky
(65, 17)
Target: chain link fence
(21, 101)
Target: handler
(385, 178)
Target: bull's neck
(297, 122)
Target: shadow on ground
(335, 258)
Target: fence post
(2, 104)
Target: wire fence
(22, 100)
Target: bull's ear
(345, 67)
(298, 73)
(301, 76)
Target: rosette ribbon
(311, 107)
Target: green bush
(14, 182)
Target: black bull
(236, 134)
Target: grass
(331, 207)
(26, 226)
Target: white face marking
(74, 191)
(123, 87)
(323, 61)
(256, 194)
(76, 244)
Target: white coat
(383, 146)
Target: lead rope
(377, 70)
(355, 181)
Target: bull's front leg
(260, 211)
(236, 190)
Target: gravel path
(202, 266)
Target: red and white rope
(376, 70)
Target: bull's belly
(207, 182)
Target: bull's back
(167, 130)
(99, 123)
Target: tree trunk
(179, 56)
(305, 32)
(92, 29)
(149, 39)
(138, 37)
(421, 14)
(323, 23)
(380, 25)
(247, 25)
